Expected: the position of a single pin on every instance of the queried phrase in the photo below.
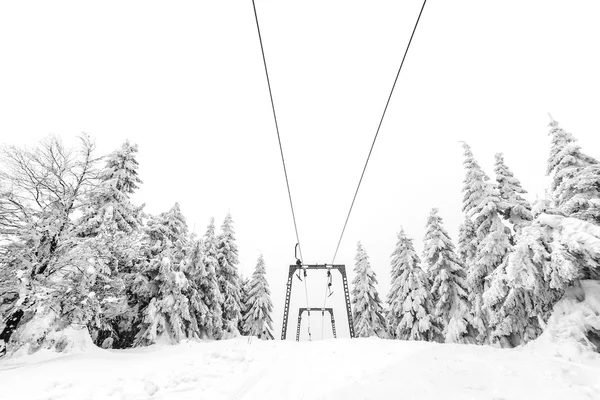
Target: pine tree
(449, 288)
(409, 299)
(367, 310)
(481, 203)
(257, 319)
(575, 177)
(229, 278)
(512, 206)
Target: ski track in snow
(332, 369)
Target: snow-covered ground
(561, 364)
(331, 369)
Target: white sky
(184, 80)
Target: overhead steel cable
(378, 128)
(287, 182)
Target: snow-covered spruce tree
(163, 285)
(230, 282)
(513, 207)
(467, 238)
(575, 177)
(210, 282)
(513, 320)
(203, 291)
(244, 303)
(409, 299)
(481, 204)
(111, 228)
(110, 201)
(449, 282)
(367, 310)
(258, 306)
(508, 306)
(555, 252)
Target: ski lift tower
(305, 267)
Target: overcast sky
(184, 80)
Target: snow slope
(332, 369)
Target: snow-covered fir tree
(449, 282)
(513, 207)
(367, 310)
(203, 293)
(467, 242)
(209, 284)
(244, 303)
(110, 201)
(481, 203)
(230, 282)
(162, 284)
(509, 321)
(575, 177)
(513, 319)
(110, 229)
(410, 304)
(258, 306)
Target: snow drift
(573, 330)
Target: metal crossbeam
(301, 311)
(293, 268)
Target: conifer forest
(77, 257)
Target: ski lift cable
(287, 182)
(323, 314)
(378, 128)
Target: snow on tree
(575, 177)
(257, 319)
(513, 320)
(367, 310)
(476, 184)
(110, 201)
(203, 292)
(42, 190)
(467, 246)
(482, 203)
(210, 283)
(555, 254)
(513, 207)
(449, 287)
(244, 303)
(552, 254)
(166, 315)
(229, 279)
(111, 226)
(409, 299)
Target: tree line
(76, 254)
(512, 263)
